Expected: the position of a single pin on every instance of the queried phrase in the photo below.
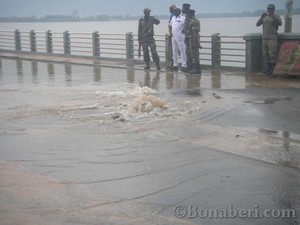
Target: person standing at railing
(146, 38)
(170, 54)
(270, 22)
(194, 42)
(185, 9)
(177, 24)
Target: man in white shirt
(178, 45)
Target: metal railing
(7, 40)
(216, 51)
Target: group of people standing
(184, 30)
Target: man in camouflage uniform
(194, 42)
(185, 10)
(146, 38)
(270, 23)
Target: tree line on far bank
(76, 17)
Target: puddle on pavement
(285, 147)
(189, 92)
(268, 100)
(259, 80)
(281, 134)
(30, 71)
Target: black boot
(268, 68)
(147, 67)
(272, 67)
(186, 69)
(158, 66)
(196, 69)
(189, 67)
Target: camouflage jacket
(145, 29)
(186, 24)
(193, 31)
(193, 26)
(270, 26)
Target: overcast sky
(86, 8)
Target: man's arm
(156, 21)
(277, 20)
(139, 31)
(260, 21)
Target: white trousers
(178, 45)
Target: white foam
(146, 104)
(143, 91)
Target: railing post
(49, 44)
(32, 41)
(129, 46)
(254, 53)
(288, 16)
(167, 50)
(96, 44)
(67, 43)
(17, 35)
(216, 50)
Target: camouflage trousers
(188, 53)
(152, 46)
(194, 53)
(270, 49)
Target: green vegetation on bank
(75, 17)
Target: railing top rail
(7, 30)
(162, 35)
(81, 33)
(231, 36)
(111, 33)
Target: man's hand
(264, 14)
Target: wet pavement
(102, 142)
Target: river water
(104, 143)
(209, 26)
